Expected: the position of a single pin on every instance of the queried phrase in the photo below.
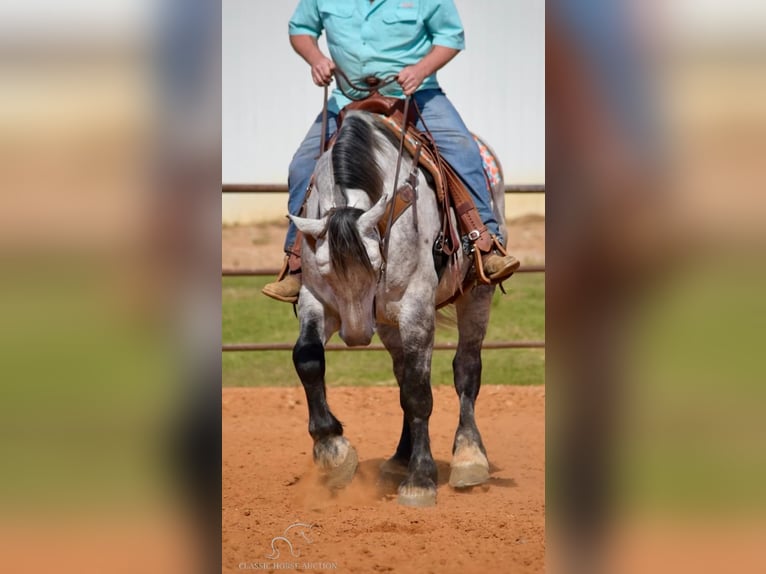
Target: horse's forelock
(346, 246)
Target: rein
(373, 85)
(396, 182)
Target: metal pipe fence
(336, 347)
(282, 188)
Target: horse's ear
(369, 219)
(310, 227)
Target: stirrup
(479, 264)
(285, 268)
(290, 266)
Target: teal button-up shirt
(379, 38)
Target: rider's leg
(460, 150)
(288, 285)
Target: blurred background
(109, 285)
(110, 174)
(656, 130)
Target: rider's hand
(410, 79)
(321, 71)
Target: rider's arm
(446, 32)
(305, 27)
(321, 66)
(411, 77)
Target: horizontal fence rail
(274, 271)
(337, 347)
(282, 188)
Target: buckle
(474, 234)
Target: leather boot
(498, 267)
(288, 283)
(286, 289)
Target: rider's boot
(492, 263)
(288, 283)
(498, 267)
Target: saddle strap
(404, 197)
(449, 188)
(293, 264)
(416, 142)
(470, 222)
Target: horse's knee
(467, 363)
(466, 368)
(309, 360)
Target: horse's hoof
(468, 475)
(410, 495)
(394, 469)
(469, 467)
(337, 461)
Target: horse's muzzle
(356, 338)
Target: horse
(354, 285)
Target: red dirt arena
(269, 486)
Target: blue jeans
(453, 139)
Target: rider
(379, 38)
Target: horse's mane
(353, 158)
(354, 166)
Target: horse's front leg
(416, 329)
(469, 458)
(333, 454)
(396, 467)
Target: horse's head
(346, 259)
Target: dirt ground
(269, 484)
(260, 245)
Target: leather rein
(373, 85)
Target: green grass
(250, 317)
(692, 432)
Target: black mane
(353, 158)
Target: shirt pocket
(403, 24)
(402, 16)
(330, 9)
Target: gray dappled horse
(347, 287)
